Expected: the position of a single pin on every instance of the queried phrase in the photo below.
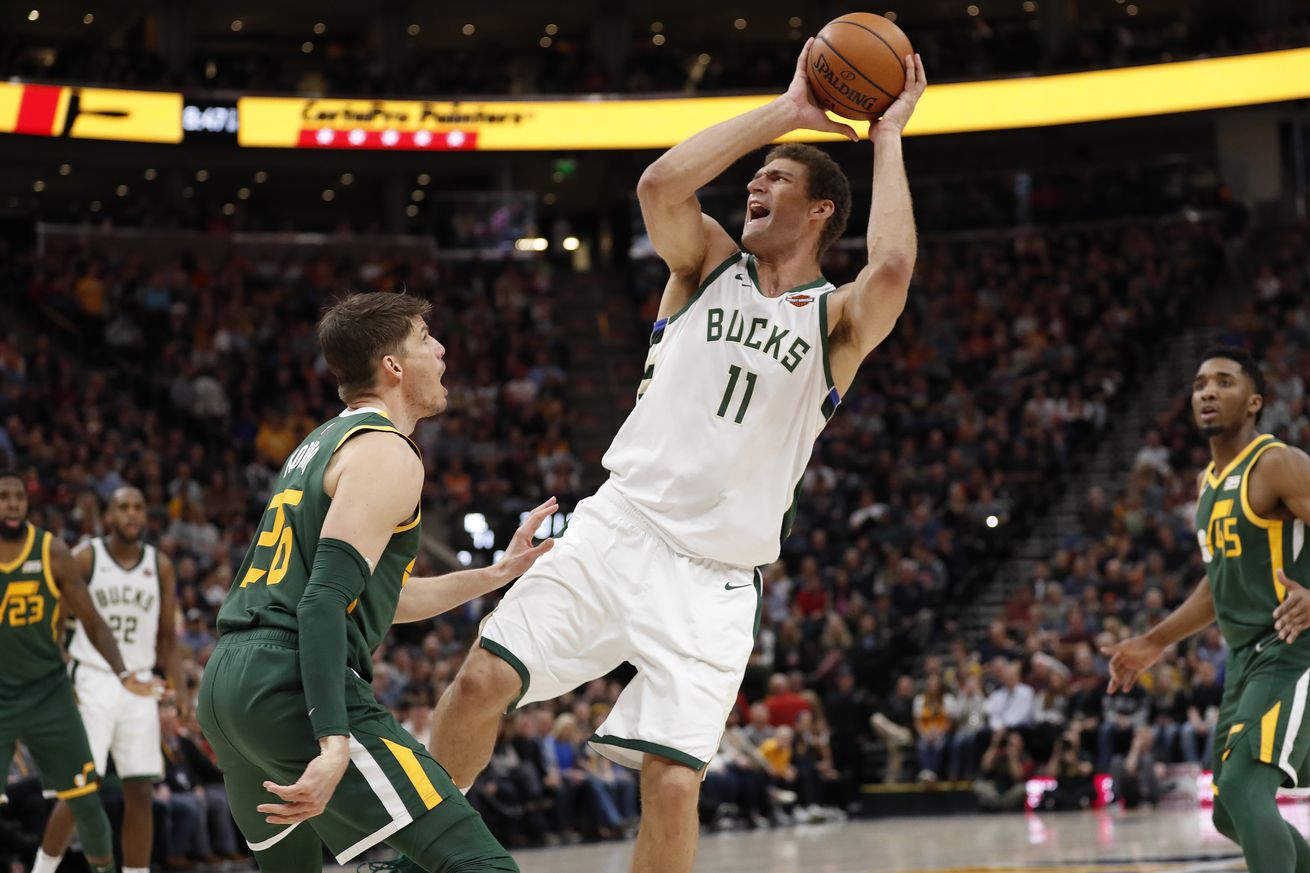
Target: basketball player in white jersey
(133, 587)
(750, 356)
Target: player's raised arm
(71, 581)
(872, 303)
(426, 596)
(378, 482)
(690, 242)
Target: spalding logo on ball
(856, 67)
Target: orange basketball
(857, 65)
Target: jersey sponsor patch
(31, 567)
(799, 300)
(1232, 482)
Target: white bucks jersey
(737, 386)
(127, 598)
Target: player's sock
(93, 829)
(1249, 789)
(46, 863)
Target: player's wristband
(125, 675)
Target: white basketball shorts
(612, 590)
(118, 722)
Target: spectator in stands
(894, 725)
(1071, 767)
(783, 702)
(1010, 705)
(197, 821)
(1002, 784)
(971, 722)
(934, 715)
(1134, 773)
(1197, 735)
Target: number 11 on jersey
(735, 374)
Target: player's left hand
(1292, 615)
(521, 554)
(312, 791)
(898, 114)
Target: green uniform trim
(510, 658)
(651, 749)
(714, 274)
(823, 339)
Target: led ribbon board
(600, 123)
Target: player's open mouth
(1208, 412)
(756, 211)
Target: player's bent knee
(668, 785)
(488, 680)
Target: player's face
(127, 514)
(778, 210)
(1223, 397)
(425, 364)
(13, 508)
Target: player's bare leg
(58, 833)
(467, 717)
(669, 831)
(138, 824)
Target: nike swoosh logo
(1263, 644)
(730, 587)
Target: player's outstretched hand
(809, 115)
(521, 554)
(898, 114)
(312, 791)
(1128, 660)
(1292, 615)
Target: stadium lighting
(571, 243)
(531, 244)
(740, 24)
(38, 186)
(88, 18)
(468, 30)
(320, 28)
(237, 25)
(202, 175)
(65, 169)
(993, 521)
(151, 174)
(34, 15)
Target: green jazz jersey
(267, 588)
(31, 622)
(1243, 551)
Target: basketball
(857, 65)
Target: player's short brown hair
(824, 180)
(357, 330)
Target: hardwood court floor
(1143, 841)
